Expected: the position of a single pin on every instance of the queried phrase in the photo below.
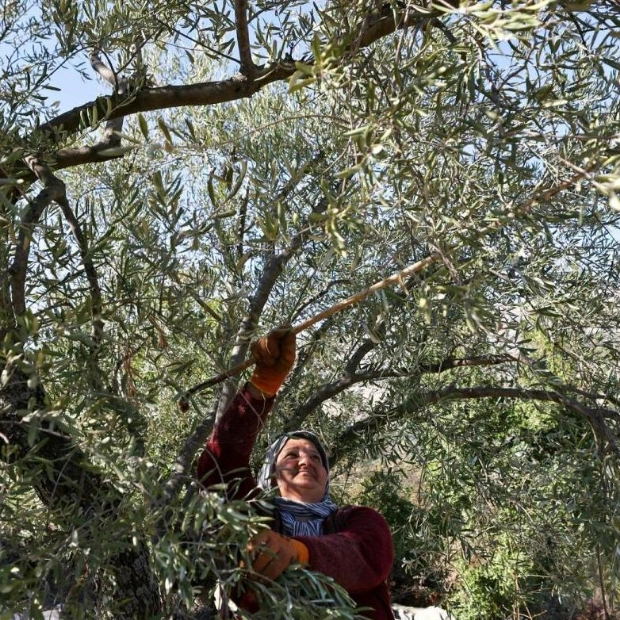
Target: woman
(353, 545)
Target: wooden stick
(337, 307)
(349, 301)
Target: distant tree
(254, 164)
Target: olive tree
(251, 165)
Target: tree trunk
(64, 480)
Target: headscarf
(298, 518)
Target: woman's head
(297, 463)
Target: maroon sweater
(356, 547)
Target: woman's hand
(275, 356)
(272, 553)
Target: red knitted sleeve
(359, 557)
(226, 456)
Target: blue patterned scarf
(300, 519)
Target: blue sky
(74, 89)
(28, 57)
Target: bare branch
(351, 378)
(243, 38)
(109, 146)
(274, 266)
(54, 190)
(595, 416)
(164, 97)
(381, 24)
(241, 228)
(297, 420)
(358, 356)
(103, 151)
(186, 456)
(102, 69)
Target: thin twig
(602, 581)
(89, 269)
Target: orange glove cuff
(303, 554)
(266, 385)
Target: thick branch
(53, 190)
(379, 25)
(64, 479)
(358, 356)
(108, 147)
(274, 266)
(271, 273)
(102, 69)
(329, 391)
(68, 482)
(163, 97)
(350, 378)
(186, 456)
(211, 93)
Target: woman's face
(300, 473)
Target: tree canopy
(250, 165)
